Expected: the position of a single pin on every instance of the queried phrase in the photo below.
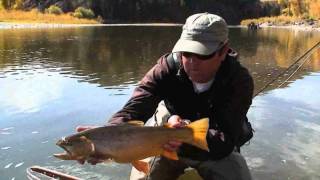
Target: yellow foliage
(36, 17)
(296, 7)
(314, 9)
(18, 4)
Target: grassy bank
(282, 21)
(34, 16)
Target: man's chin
(197, 80)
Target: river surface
(52, 80)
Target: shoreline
(293, 27)
(9, 25)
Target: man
(208, 82)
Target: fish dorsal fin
(134, 123)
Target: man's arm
(238, 104)
(231, 115)
(145, 97)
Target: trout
(131, 142)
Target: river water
(52, 80)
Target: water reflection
(108, 56)
(53, 80)
(286, 145)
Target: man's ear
(224, 50)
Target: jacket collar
(224, 74)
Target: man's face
(201, 69)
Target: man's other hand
(174, 121)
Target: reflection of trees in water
(109, 55)
(315, 63)
(269, 52)
(114, 55)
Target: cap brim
(196, 47)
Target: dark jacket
(226, 103)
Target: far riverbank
(5, 25)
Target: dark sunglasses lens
(205, 57)
(187, 54)
(201, 57)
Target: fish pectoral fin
(170, 155)
(141, 166)
(64, 156)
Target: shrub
(18, 4)
(82, 12)
(53, 9)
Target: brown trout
(130, 142)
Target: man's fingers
(94, 161)
(172, 145)
(81, 161)
(167, 147)
(82, 128)
(91, 160)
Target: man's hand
(174, 121)
(82, 128)
(91, 160)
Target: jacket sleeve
(146, 96)
(231, 115)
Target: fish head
(76, 148)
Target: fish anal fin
(200, 129)
(170, 155)
(141, 166)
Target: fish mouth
(67, 152)
(64, 155)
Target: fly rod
(303, 58)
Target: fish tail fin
(200, 129)
(141, 166)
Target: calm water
(53, 80)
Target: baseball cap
(203, 34)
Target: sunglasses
(203, 57)
(198, 56)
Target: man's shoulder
(173, 61)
